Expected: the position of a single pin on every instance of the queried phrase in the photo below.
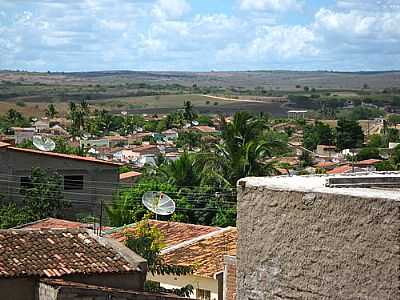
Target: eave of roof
(66, 156)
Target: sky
(199, 35)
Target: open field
(276, 80)
(152, 104)
(212, 92)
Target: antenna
(43, 143)
(159, 203)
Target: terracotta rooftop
(67, 156)
(52, 223)
(206, 253)
(54, 253)
(129, 175)
(173, 232)
(144, 148)
(368, 162)
(340, 170)
(205, 129)
(325, 164)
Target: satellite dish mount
(158, 203)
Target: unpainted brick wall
(230, 278)
(296, 245)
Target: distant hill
(284, 80)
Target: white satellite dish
(159, 203)
(187, 125)
(195, 123)
(124, 113)
(43, 143)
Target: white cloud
(170, 9)
(359, 24)
(271, 5)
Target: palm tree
(183, 172)
(244, 150)
(51, 111)
(188, 111)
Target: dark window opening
(73, 182)
(25, 182)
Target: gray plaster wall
(296, 245)
(99, 179)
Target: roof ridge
(196, 239)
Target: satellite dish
(159, 203)
(124, 113)
(384, 155)
(195, 123)
(43, 143)
(187, 125)
(140, 129)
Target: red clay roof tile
(54, 253)
(205, 255)
(173, 232)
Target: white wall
(169, 281)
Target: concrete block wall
(310, 245)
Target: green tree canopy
(349, 134)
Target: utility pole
(101, 217)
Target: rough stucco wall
(294, 245)
(17, 289)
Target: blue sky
(199, 35)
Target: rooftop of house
(368, 162)
(318, 184)
(325, 164)
(52, 223)
(205, 129)
(173, 232)
(4, 145)
(61, 155)
(341, 169)
(205, 253)
(129, 175)
(143, 148)
(54, 253)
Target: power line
(178, 193)
(128, 185)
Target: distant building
(205, 129)
(129, 177)
(86, 181)
(22, 134)
(297, 114)
(170, 134)
(326, 150)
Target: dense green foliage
(42, 197)
(317, 134)
(349, 134)
(12, 118)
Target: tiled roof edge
(195, 240)
(129, 255)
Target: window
(203, 294)
(25, 182)
(74, 182)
